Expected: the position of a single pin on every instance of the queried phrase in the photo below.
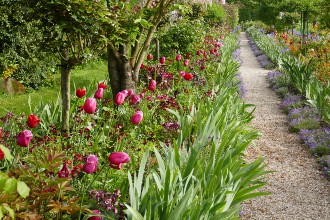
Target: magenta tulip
(99, 93)
(186, 62)
(117, 159)
(149, 57)
(91, 164)
(178, 57)
(90, 105)
(134, 99)
(152, 85)
(137, 117)
(24, 138)
(120, 98)
(162, 60)
(130, 92)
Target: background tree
(130, 37)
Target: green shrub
(215, 14)
(181, 36)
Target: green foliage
(215, 14)
(180, 36)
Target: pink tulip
(137, 117)
(90, 105)
(117, 159)
(97, 212)
(130, 92)
(178, 57)
(24, 138)
(182, 73)
(152, 85)
(99, 93)
(120, 98)
(134, 99)
(186, 62)
(162, 60)
(91, 164)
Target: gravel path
(300, 191)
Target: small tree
(71, 29)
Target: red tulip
(97, 212)
(102, 85)
(2, 155)
(120, 98)
(117, 159)
(137, 117)
(142, 66)
(32, 121)
(24, 138)
(152, 85)
(149, 57)
(162, 60)
(203, 67)
(188, 76)
(80, 92)
(91, 164)
(90, 105)
(178, 57)
(186, 62)
(99, 93)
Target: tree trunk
(120, 72)
(65, 92)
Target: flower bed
(172, 148)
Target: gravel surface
(300, 191)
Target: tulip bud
(149, 57)
(0, 132)
(2, 154)
(120, 98)
(202, 67)
(137, 117)
(32, 121)
(90, 105)
(80, 92)
(91, 164)
(130, 92)
(178, 57)
(186, 62)
(24, 138)
(152, 85)
(102, 85)
(134, 99)
(99, 93)
(97, 212)
(116, 159)
(162, 60)
(188, 76)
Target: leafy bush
(215, 14)
(180, 36)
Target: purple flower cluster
(291, 101)
(109, 202)
(170, 126)
(318, 141)
(242, 88)
(306, 121)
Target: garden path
(300, 191)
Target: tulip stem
(85, 189)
